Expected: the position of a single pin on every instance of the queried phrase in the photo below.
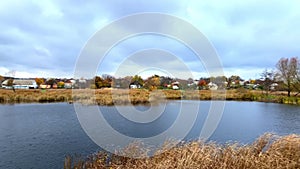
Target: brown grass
(27, 96)
(137, 96)
(268, 151)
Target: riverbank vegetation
(268, 151)
(110, 90)
(139, 96)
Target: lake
(41, 135)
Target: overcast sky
(44, 38)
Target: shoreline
(109, 97)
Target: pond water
(41, 135)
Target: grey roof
(24, 82)
(20, 82)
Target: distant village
(285, 78)
(136, 82)
(42, 83)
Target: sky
(46, 38)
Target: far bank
(138, 96)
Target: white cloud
(4, 71)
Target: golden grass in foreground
(267, 152)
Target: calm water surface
(40, 135)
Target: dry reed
(268, 151)
(137, 96)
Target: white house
(69, 84)
(273, 86)
(135, 85)
(175, 85)
(212, 86)
(20, 84)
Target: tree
(39, 81)
(98, 82)
(268, 78)
(221, 81)
(105, 81)
(234, 81)
(61, 84)
(137, 79)
(296, 83)
(1, 78)
(152, 82)
(287, 72)
(122, 82)
(51, 82)
(202, 84)
(165, 81)
(10, 82)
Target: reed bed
(28, 96)
(137, 96)
(268, 151)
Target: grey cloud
(245, 34)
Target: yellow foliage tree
(39, 81)
(61, 84)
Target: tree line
(286, 74)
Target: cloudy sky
(45, 38)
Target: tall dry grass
(137, 96)
(35, 95)
(267, 152)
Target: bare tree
(287, 71)
(1, 78)
(296, 83)
(268, 78)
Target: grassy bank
(268, 151)
(28, 96)
(137, 96)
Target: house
(20, 84)
(135, 85)
(69, 84)
(212, 86)
(273, 86)
(5, 84)
(45, 86)
(54, 86)
(175, 85)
